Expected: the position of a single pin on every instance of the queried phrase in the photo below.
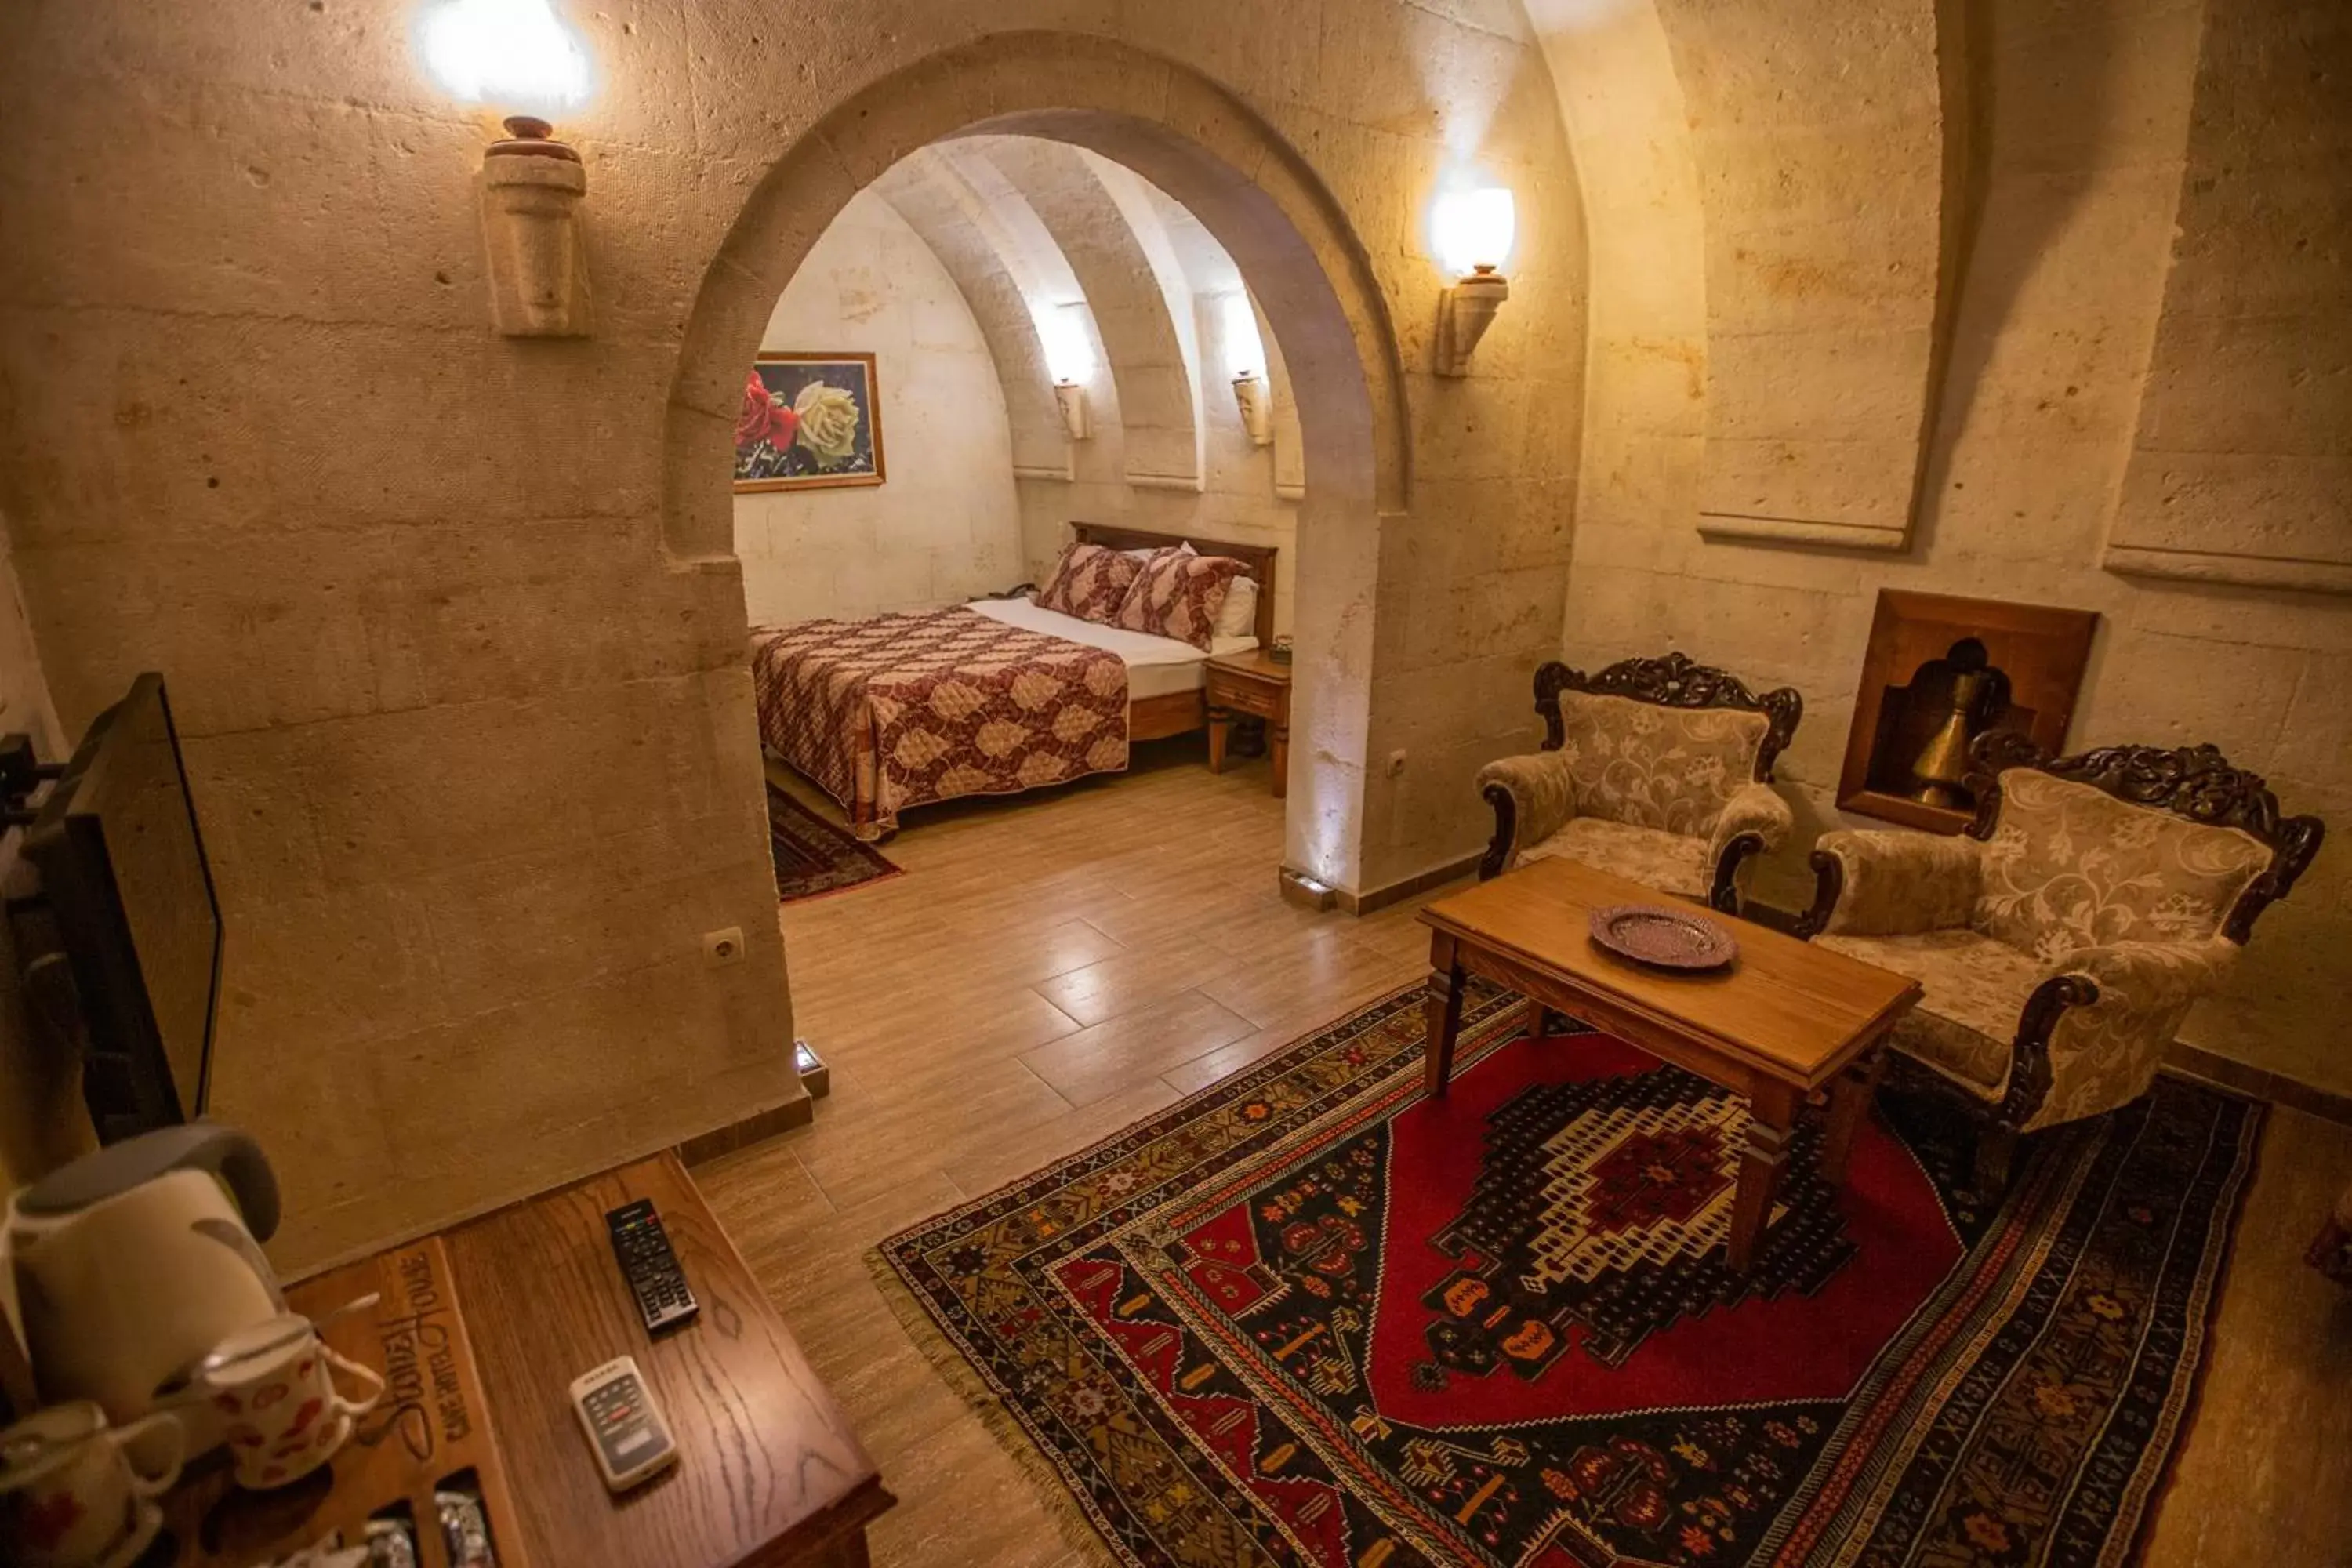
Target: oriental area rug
(1308, 1317)
(812, 856)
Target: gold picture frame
(810, 422)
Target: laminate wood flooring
(1054, 967)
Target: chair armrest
(1534, 796)
(1754, 819)
(1891, 884)
(2123, 1008)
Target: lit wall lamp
(518, 59)
(1474, 229)
(1070, 361)
(1245, 356)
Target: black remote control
(649, 1265)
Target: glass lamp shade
(1245, 348)
(509, 55)
(1474, 228)
(1069, 348)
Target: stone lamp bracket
(1256, 408)
(1075, 417)
(1465, 313)
(531, 190)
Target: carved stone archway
(1213, 154)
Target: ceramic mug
(274, 1386)
(72, 1495)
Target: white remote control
(627, 1434)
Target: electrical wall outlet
(721, 947)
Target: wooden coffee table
(1784, 1023)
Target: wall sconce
(1075, 417)
(1070, 361)
(1245, 357)
(1258, 408)
(1474, 229)
(518, 55)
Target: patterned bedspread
(906, 709)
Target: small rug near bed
(813, 857)
(1308, 1317)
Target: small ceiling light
(1473, 229)
(518, 58)
(1245, 354)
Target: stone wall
(946, 527)
(464, 689)
(2083, 118)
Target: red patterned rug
(812, 856)
(1308, 1317)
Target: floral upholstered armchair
(2063, 939)
(1659, 770)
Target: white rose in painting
(828, 418)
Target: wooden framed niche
(1938, 672)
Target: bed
(993, 697)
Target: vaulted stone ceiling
(1028, 229)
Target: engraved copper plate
(1659, 934)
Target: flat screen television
(124, 876)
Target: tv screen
(124, 871)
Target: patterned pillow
(1090, 583)
(1178, 595)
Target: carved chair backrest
(1674, 770)
(2187, 846)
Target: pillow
(1237, 617)
(1178, 595)
(1089, 582)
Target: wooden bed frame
(1181, 713)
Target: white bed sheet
(1156, 667)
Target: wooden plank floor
(1052, 969)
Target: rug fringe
(1070, 1520)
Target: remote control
(649, 1265)
(627, 1434)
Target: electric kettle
(121, 1271)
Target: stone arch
(1178, 129)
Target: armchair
(2063, 939)
(1657, 769)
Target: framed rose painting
(809, 422)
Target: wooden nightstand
(1251, 683)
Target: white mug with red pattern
(273, 1386)
(72, 1493)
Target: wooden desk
(769, 1473)
(1784, 1021)
(1251, 683)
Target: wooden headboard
(1259, 557)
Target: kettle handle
(231, 1156)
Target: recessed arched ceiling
(944, 212)
(1036, 233)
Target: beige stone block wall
(449, 618)
(2089, 116)
(2242, 459)
(946, 527)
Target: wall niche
(1938, 672)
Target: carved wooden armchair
(2062, 941)
(1657, 769)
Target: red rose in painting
(763, 419)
